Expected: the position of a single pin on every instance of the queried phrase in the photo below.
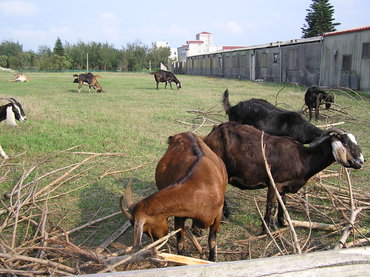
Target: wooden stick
(267, 227)
(281, 202)
(113, 237)
(130, 257)
(179, 259)
(315, 225)
(194, 241)
(38, 261)
(124, 170)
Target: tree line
(101, 56)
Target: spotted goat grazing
(292, 163)
(192, 181)
(11, 112)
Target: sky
(35, 23)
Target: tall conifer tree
(58, 48)
(319, 19)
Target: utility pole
(87, 62)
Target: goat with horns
(192, 181)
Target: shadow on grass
(96, 201)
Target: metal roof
(359, 29)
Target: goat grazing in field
(313, 98)
(88, 79)
(11, 112)
(192, 181)
(292, 164)
(167, 77)
(274, 121)
(19, 77)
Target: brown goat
(192, 181)
(88, 79)
(292, 164)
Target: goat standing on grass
(11, 112)
(274, 121)
(192, 181)
(88, 79)
(292, 164)
(314, 97)
(166, 77)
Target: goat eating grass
(192, 181)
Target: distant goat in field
(167, 77)
(19, 77)
(11, 112)
(314, 97)
(88, 79)
(192, 181)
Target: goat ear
(169, 140)
(138, 232)
(10, 116)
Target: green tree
(319, 19)
(58, 48)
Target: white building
(201, 45)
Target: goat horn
(129, 203)
(336, 130)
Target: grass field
(133, 118)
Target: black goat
(292, 164)
(274, 121)
(167, 77)
(11, 112)
(313, 98)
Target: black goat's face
(328, 101)
(346, 151)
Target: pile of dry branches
(32, 244)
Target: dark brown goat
(314, 97)
(292, 164)
(88, 79)
(167, 77)
(192, 181)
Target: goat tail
(225, 101)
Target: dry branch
(179, 259)
(281, 202)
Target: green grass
(133, 118)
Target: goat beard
(340, 153)
(10, 116)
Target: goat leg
(3, 154)
(180, 223)
(281, 220)
(212, 244)
(270, 203)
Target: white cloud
(18, 8)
